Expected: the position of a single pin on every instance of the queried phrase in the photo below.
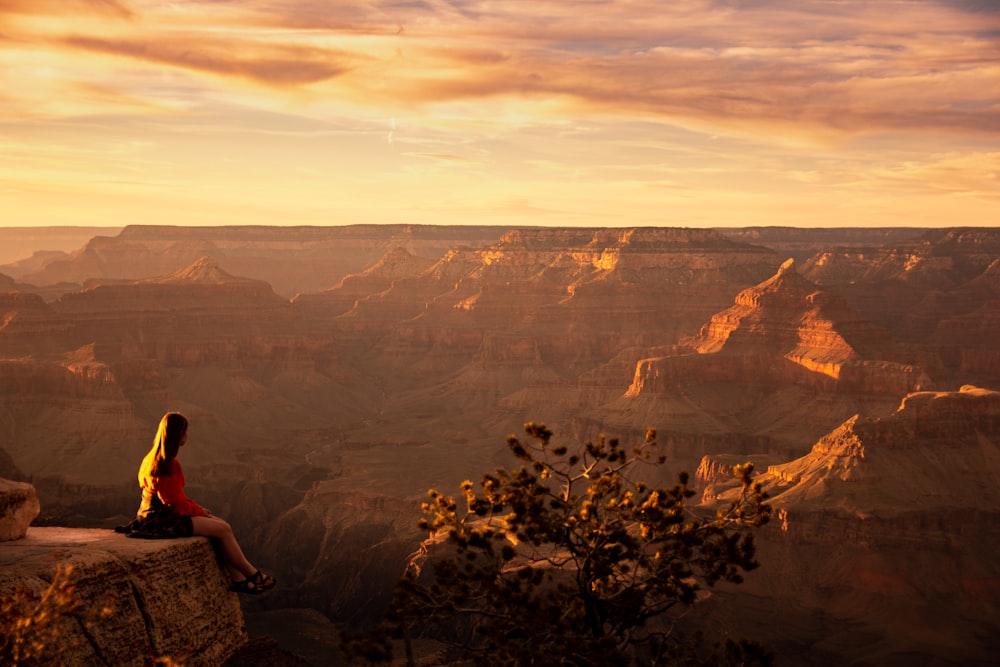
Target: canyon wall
(897, 519)
(26, 246)
(333, 375)
(290, 259)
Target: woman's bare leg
(219, 530)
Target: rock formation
(319, 420)
(896, 518)
(786, 316)
(545, 306)
(22, 246)
(802, 243)
(132, 601)
(396, 264)
(923, 290)
(18, 508)
(290, 259)
(344, 551)
(787, 362)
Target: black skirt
(155, 521)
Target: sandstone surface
(138, 600)
(18, 507)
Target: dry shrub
(31, 627)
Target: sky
(691, 113)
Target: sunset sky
(536, 112)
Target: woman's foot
(255, 584)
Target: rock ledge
(139, 600)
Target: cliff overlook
(135, 600)
(320, 419)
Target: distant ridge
(303, 232)
(293, 260)
(21, 243)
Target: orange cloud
(844, 67)
(285, 65)
(63, 7)
(751, 109)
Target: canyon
(894, 515)
(333, 375)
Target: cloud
(280, 65)
(974, 174)
(815, 68)
(874, 71)
(65, 7)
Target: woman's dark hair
(172, 428)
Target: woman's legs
(222, 533)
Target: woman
(167, 512)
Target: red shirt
(170, 489)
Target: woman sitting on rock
(167, 512)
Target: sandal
(254, 584)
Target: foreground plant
(571, 560)
(31, 628)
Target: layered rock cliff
(883, 546)
(787, 362)
(291, 259)
(542, 307)
(936, 292)
(318, 422)
(790, 318)
(802, 243)
(122, 601)
(396, 264)
(18, 243)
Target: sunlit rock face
(787, 360)
(816, 330)
(541, 306)
(138, 600)
(883, 546)
(945, 436)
